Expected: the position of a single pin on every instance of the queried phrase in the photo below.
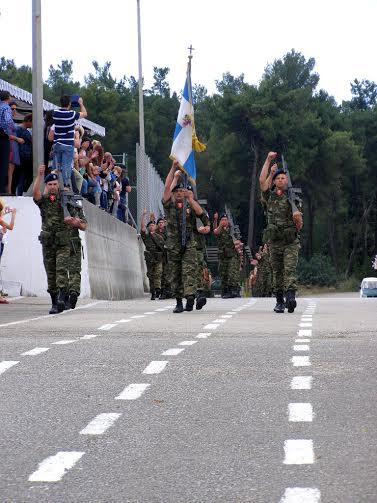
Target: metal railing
(150, 186)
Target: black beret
(151, 222)
(181, 185)
(277, 173)
(51, 177)
(224, 215)
(161, 219)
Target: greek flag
(182, 150)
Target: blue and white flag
(182, 150)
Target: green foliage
(317, 271)
(330, 148)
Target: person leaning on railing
(4, 227)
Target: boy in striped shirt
(64, 136)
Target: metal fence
(150, 186)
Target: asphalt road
(126, 402)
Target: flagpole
(141, 97)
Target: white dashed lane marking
(53, 468)
(298, 452)
(187, 343)
(302, 382)
(35, 352)
(108, 326)
(219, 321)
(122, 321)
(211, 326)
(304, 333)
(5, 365)
(100, 423)
(301, 361)
(133, 391)
(155, 367)
(62, 343)
(203, 335)
(301, 495)
(300, 347)
(172, 352)
(303, 325)
(137, 316)
(90, 336)
(300, 412)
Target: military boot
(280, 306)
(153, 295)
(73, 296)
(200, 300)
(190, 303)
(179, 307)
(54, 307)
(226, 294)
(291, 301)
(158, 293)
(61, 300)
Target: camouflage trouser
(263, 285)
(283, 259)
(165, 285)
(183, 272)
(154, 273)
(229, 272)
(56, 260)
(201, 264)
(74, 268)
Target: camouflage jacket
(173, 216)
(226, 245)
(280, 225)
(154, 242)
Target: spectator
(64, 121)
(23, 175)
(4, 226)
(14, 157)
(6, 125)
(48, 140)
(125, 189)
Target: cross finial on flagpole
(191, 49)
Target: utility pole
(141, 97)
(37, 87)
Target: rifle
(68, 198)
(292, 192)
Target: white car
(368, 287)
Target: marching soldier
(78, 222)
(283, 227)
(165, 288)
(227, 258)
(154, 255)
(201, 270)
(182, 257)
(54, 237)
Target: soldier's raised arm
(264, 182)
(37, 194)
(169, 181)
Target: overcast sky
(237, 36)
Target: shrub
(317, 271)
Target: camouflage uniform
(74, 267)
(182, 262)
(228, 261)
(165, 286)
(55, 240)
(263, 285)
(154, 254)
(283, 242)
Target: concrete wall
(111, 266)
(113, 257)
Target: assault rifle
(68, 198)
(292, 192)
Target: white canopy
(25, 96)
